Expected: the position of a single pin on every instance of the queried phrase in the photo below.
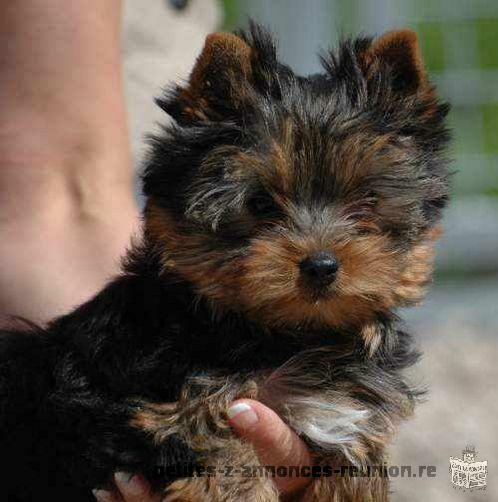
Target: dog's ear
(399, 50)
(224, 63)
(218, 83)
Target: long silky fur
(259, 168)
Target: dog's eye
(367, 227)
(371, 198)
(262, 205)
(364, 204)
(178, 4)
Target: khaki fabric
(160, 44)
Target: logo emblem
(466, 472)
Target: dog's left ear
(399, 50)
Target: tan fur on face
(372, 277)
(272, 278)
(194, 258)
(265, 281)
(417, 271)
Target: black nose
(319, 268)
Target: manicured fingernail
(123, 477)
(242, 415)
(132, 483)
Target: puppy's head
(301, 201)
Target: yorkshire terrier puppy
(287, 219)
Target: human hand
(276, 444)
(274, 441)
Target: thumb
(274, 441)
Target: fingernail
(242, 415)
(133, 483)
(123, 477)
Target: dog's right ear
(222, 68)
(218, 83)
